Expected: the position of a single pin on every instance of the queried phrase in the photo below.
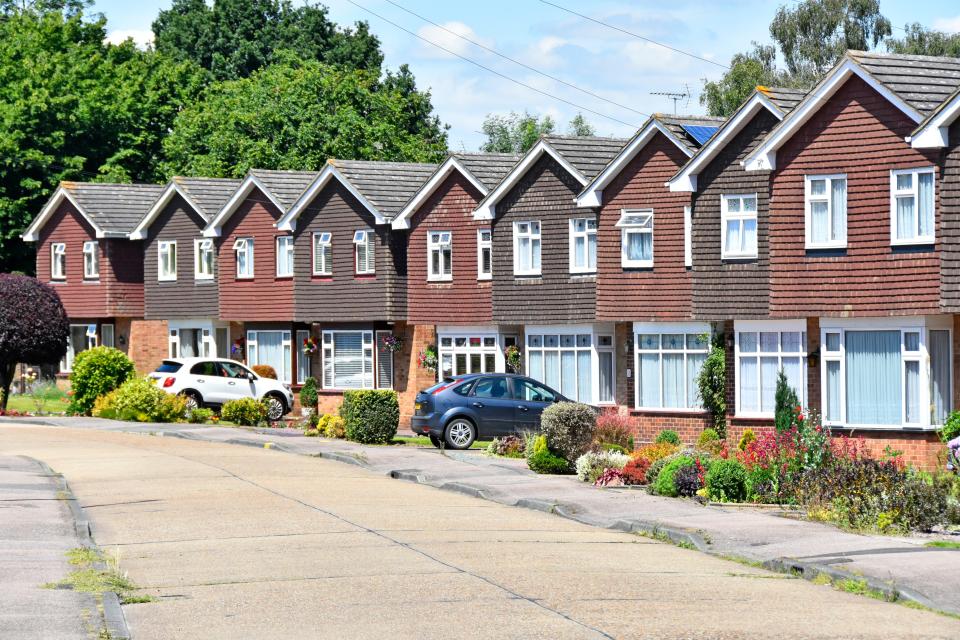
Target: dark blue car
(459, 410)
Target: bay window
(564, 358)
(526, 248)
(58, 261)
(243, 248)
(348, 359)
(167, 260)
(484, 254)
(271, 348)
(91, 259)
(826, 211)
(203, 259)
(364, 252)
(763, 349)
(912, 206)
(439, 255)
(284, 256)
(669, 358)
(636, 238)
(583, 245)
(322, 254)
(738, 214)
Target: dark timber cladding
(187, 297)
(547, 193)
(345, 296)
(724, 289)
(949, 229)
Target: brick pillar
(623, 360)
(147, 344)
(813, 368)
(408, 377)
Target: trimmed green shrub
(653, 471)
(706, 438)
(568, 428)
(95, 372)
(265, 371)
(745, 439)
(244, 411)
(951, 427)
(308, 394)
(542, 460)
(370, 416)
(330, 426)
(667, 435)
(200, 415)
(139, 400)
(726, 481)
(665, 483)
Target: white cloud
(950, 25)
(442, 36)
(141, 37)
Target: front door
(492, 401)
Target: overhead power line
(515, 61)
(494, 71)
(635, 35)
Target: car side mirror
(251, 377)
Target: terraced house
(815, 233)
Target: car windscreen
(168, 367)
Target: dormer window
(91, 260)
(58, 261)
(243, 248)
(364, 252)
(440, 255)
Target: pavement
(249, 542)
(37, 529)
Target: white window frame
(440, 242)
(284, 253)
(107, 334)
(364, 238)
(452, 342)
(286, 345)
(610, 348)
(921, 325)
(589, 231)
(742, 216)
(246, 246)
(58, 261)
(632, 221)
(661, 329)
(90, 337)
(809, 198)
(304, 362)
(532, 233)
(596, 331)
(688, 236)
(168, 248)
(769, 326)
(91, 260)
(368, 366)
(914, 192)
(322, 243)
(484, 246)
(202, 247)
(384, 353)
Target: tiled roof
(924, 82)
(588, 154)
(676, 123)
(285, 186)
(488, 168)
(783, 97)
(210, 194)
(115, 208)
(388, 186)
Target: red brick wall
(860, 134)
(464, 299)
(662, 292)
(147, 343)
(265, 297)
(80, 299)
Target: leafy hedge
(139, 400)
(541, 460)
(370, 416)
(244, 411)
(96, 372)
(308, 394)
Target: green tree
(234, 38)
(296, 114)
(786, 403)
(747, 70)
(514, 133)
(921, 41)
(712, 385)
(580, 127)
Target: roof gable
(934, 131)
(276, 185)
(113, 210)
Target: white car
(209, 382)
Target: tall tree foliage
(925, 42)
(747, 70)
(514, 133)
(295, 114)
(579, 126)
(234, 38)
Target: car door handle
(478, 405)
(231, 382)
(200, 380)
(523, 408)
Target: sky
(614, 75)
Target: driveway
(241, 542)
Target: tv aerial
(676, 96)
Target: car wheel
(275, 408)
(193, 400)
(436, 441)
(460, 434)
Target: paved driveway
(238, 542)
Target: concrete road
(236, 542)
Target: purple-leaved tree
(33, 327)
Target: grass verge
(97, 574)
(943, 544)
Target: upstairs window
(284, 256)
(91, 260)
(243, 248)
(439, 255)
(912, 204)
(636, 238)
(826, 211)
(167, 260)
(58, 261)
(526, 248)
(484, 254)
(322, 254)
(364, 250)
(583, 245)
(203, 259)
(739, 216)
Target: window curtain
(833, 391)
(940, 375)
(674, 378)
(551, 369)
(639, 246)
(584, 377)
(568, 374)
(269, 350)
(606, 376)
(749, 397)
(733, 235)
(912, 392)
(839, 201)
(905, 217)
(694, 365)
(873, 377)
(793, 370)
(925, 203)
(818, 222)
(768, 383)
(536, 365)
(650, 380)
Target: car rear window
(169, 367)
(463, 389)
